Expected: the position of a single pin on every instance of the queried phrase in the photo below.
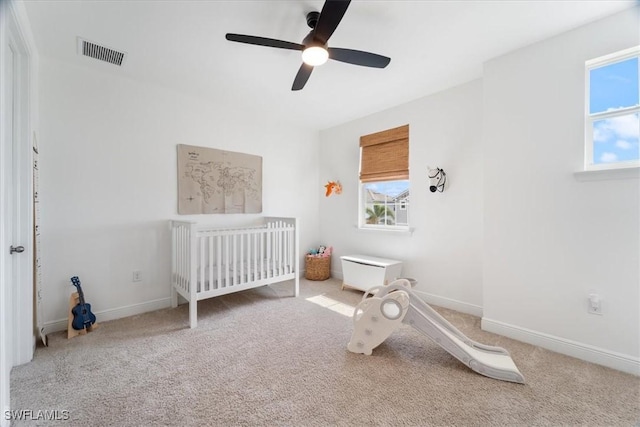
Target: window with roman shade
(384, 179)
(385, 155)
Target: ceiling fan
(314, 45)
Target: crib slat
(234, 256)
(280, 242)
(177, 245)
(274, 251)
(255, 256)
(226, 261)
(200, 286)
(267, 257)
(242, 258)
(262, 242)
(179, 256)
(287, 249)
(210, 261)
(185, 262)
(276, 237)
(193, 277)
(270, 252)
(294, 250)
(183, 257)
(249, 258)
(174, 255)
(219, 261)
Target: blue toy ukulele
(82, 316)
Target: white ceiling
(433, 45)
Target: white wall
(108, 182)
(549, 238)
(444, 253)
(515, 237)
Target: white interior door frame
(17, 337)
(5, 174)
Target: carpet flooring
(264, 358)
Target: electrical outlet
(594, 304)
(137, 276)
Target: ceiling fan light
(315, 55)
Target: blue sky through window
(390, 188)
(612, 87)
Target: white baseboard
(113, 314)
(600, 356)
(336, 275)
(449, 303)
(452, 304)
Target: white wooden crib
(207, 262)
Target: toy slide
(376, 317)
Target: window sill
(604, 174)
(402, 231)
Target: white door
(7, 230)
(16, 211)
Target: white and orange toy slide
(377, 316)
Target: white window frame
(362, 204)
(602, 61)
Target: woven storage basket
(317, 267)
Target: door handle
(18, 249)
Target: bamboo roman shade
(385, 155)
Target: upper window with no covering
(613, 111)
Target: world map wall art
(216, 181)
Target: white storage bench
(364, 272)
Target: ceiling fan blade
(301, 78)
(330, 16)
(358, 57)
(263, 41)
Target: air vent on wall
(94, 50)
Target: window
(613, 111)
(384, 180)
